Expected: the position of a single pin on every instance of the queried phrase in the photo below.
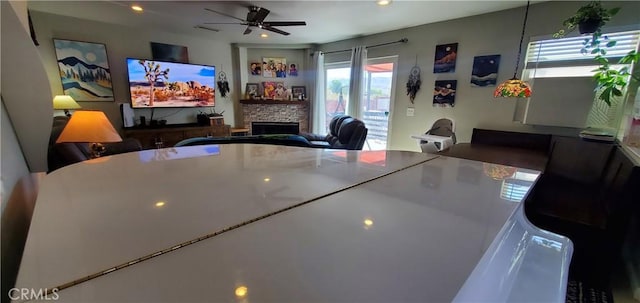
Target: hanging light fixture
(515, 87)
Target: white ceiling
(327, 21)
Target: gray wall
(494, 33)
(125, 42)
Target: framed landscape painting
(485, 70)
(444, 93)
(84, 70)
(445, 59)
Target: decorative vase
(589, 26)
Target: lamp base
(97, 149)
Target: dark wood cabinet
(170, 135)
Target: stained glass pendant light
(515, 87)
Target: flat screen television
(154, 83)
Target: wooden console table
(169, 135)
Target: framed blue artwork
(84, 70)
(485, 70)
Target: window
(551, 64)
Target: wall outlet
(410, 111)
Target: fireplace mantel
(258, 101)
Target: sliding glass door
(377, 101)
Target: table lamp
(91, 127)
(65, 103)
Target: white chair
(439, 137)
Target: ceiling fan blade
(247, 31)
(207, 28)
(242, 23)
(275, 30)
(284, 23)
(262, 13)
(224, 14)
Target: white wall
(12, 163)
(494, 33)
(24, 89)
(125, 42)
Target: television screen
(154, 83)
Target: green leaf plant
(610, 82)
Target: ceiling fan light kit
(255, 18)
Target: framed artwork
(444, 93)
(293, 70)
(274, 67)
(445, 59)
(485, 70)
(273, 90)
(299, 92)
(84, 70)
(168, 52)
(255, 68)
(252, 90)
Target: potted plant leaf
(588, 19)
(612, 82)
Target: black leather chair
(63, 154)
(345, 132)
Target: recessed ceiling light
(264, 35)
(136, 8)
(383, 2)
(241, 291)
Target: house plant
(589, 19)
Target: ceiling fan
(255, 18)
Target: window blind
(566, 51)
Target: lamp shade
(513, 88)
(89, 127)
(64, 102)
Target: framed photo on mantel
(299, 92)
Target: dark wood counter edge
(305, 102)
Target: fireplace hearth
(268, 128)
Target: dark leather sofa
(346, 133)
(63, 154)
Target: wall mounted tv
(154, 84)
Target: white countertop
(289, 224)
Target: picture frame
(292, 70)
(445, 58)
(485, 70)
(252, 90)
(299, 92)
(274, 67)
(84, 70)
(273, 90)
(255, 68)
(444, 93)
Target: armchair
(345, 132)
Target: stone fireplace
(266, 112)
